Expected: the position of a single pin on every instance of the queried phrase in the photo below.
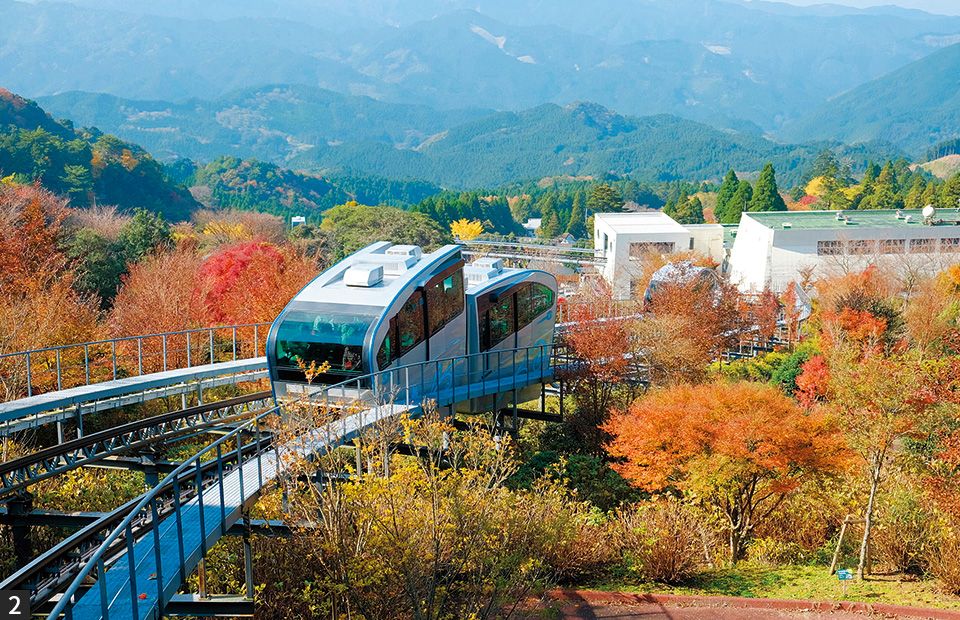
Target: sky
(942, 7)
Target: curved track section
(144, 577)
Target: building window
(642, 248)
(829, 248)
(892, 246)
(950, 244)
(923, 246)
(445, 300)
(863, 246)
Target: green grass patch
(796, 582)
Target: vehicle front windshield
(330, 333)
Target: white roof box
(405, 251)
(489, 263)
(363, 275)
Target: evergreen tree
(670, 208)
(738, 204)
(766, 197)
(929, 196)
(577, 226)
(727, 189)
(550, 227)
(914, 197)
(950, 193)
(690, 212)
(604, 198)
(870, 176)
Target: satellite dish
(928, 212)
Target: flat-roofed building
(623, 239)
(773, 249)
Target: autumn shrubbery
(664, 540)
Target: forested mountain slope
(912, 107)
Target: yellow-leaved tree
(465, 229)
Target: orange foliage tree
(38, 306)
(881, 400)
(740, 447)
(157, 297)
(251, 282)
(606, 352)
(690, 323)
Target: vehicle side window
(541, 298)
(387, 353)
(526, 311)
(445, 301)
(410, 323)
(501, 321)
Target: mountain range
(322, 132)
(743, 65)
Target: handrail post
(223, 501)
(59, 374)
(132, 566)
(256, 341)
(140, 357)
(156, 552)
(210, 331)
(102, 585)
(86, 361)
(234, 343)
(177, 515)
(29, 378)
(188, 349)
(113, 344)
(164, 352)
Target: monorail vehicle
(388, 306)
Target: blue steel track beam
(20, 473)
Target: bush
(943, 560)
(663, 540)
(904, 534)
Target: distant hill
(88, 166)
(727, 64)
(229, 182)
(272, 123)
(944, 167)
(327, 134)
(913, 107)
(579, 139)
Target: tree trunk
(868, 523)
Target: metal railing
(357, 403)
(28, 373)
(149, 509)
(573, 310)
(443, 381)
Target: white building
(773, 249)
(622, 239)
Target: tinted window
(326, 335)
(444, 300)
(525, 308)
(500, 321)
(542, 299)
(410, 323)
(387, 353)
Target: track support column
(20, 506)
(247, 555)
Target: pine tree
(914, 198)
(738, 204)
(766, 197)
(604, 198)
(550, 227)
(577, 226)
(727, 189)
(929, 196)
(670, 208)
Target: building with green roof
(773, 249)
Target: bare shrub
(664, 540)
(904, 533)
(943, 559)
(107, 221)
